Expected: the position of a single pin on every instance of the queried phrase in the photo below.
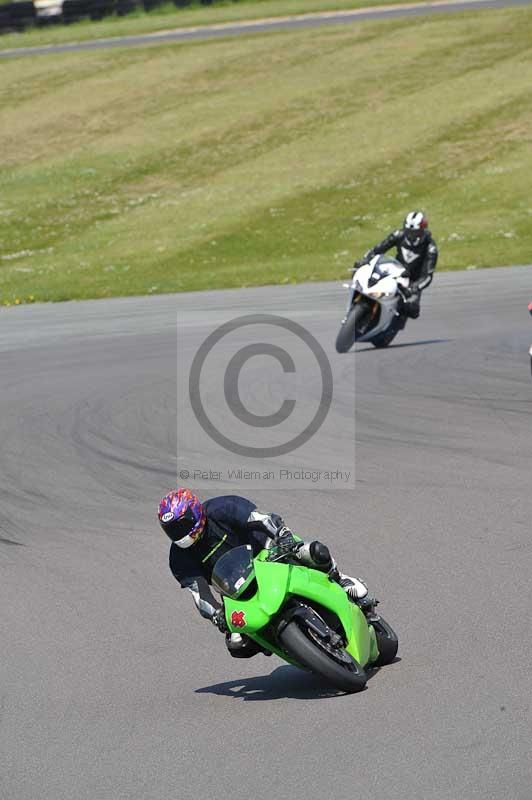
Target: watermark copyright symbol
(231, 393)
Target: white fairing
(379, 280)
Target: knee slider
(320, 554)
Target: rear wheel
(387, 642)
(348, 332)
(384, 339)
(332, 663)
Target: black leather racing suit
(419, 260)
(232, 521)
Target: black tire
(348, 677)
(348, 332)
(384, 339)
(387, 642)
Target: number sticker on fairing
(238, 619)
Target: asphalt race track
(262, 26)
(113, 688)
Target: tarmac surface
(311, 20)
(111, 685)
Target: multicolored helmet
(182, 517)
(414, 226)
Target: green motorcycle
(302, 616)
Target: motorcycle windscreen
(233, 572)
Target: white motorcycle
(375, 301)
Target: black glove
(218, 619)
(359, 263)
(277, 520)
(284, 538)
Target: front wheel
(334, 664)
(348, 332)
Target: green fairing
(276, 581)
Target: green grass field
(268, 158)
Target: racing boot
(357, 591)
(242, 646)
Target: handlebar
(278, 552)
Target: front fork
(356, 297)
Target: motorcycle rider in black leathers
(203, 532)
(416, 251)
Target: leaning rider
(203, 532)
(416, 251)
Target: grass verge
(264, 159)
